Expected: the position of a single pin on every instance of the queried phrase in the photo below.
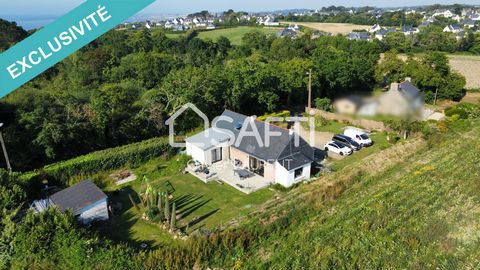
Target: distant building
(382, 33)
(443, 12)
(287, 32)
(359, 36)
(375, 28)
(453, 28)
(469, 23)
(211, 26)
(408, 30)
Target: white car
(338, 148)
(359, 136)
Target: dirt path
(321, 138)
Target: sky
(34, 13)
(58, 7)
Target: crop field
(334, 28)
(467, 65)
(235, 34)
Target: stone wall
(364, 123)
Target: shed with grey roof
(86, 201)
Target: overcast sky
(58, 7)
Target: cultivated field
(334, 28)
(235, 34)
(468, 66)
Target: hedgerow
(109, 159)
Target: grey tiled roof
(280, 147)
(78, 196)
(409, 89)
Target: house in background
(382, 33)
(348, 105)
(375, 28)
(359, 36)
(246, 163)
(453, 28)
(401, 100)
(443, 12)
(86, 201)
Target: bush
(277, 114)
(464, 110)
(109, 159)
(323, 104)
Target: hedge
(109, 159)
(277, 114)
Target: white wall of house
(205, 156)
(196, 153)
(96, 211)
(287, 178)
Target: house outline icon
(170, 122)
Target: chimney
(394, 86)
(408, 79)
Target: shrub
(277, 114)
(323, 104)
(464, 110)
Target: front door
(216, 155)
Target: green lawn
(379, 142)
(233, 34)
(201, 205)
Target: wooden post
(435, 99)
(5, 153)
(310, 89)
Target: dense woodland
(122, 87)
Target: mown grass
(202, 206)
(422, 213)
(379, 143)
(235, 34)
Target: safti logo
(249, 127)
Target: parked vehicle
(347, 141)
(359, 136)
(338, 148)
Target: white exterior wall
(205, 156)
(97, 211)
(196, 153)
(287, 178)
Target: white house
(86, 201)
(286, 159)
(443, 12)
(375, 28)
(453, 28)
(268, 21)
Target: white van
(359, 136)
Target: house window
(298, 172)
(216, 155)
